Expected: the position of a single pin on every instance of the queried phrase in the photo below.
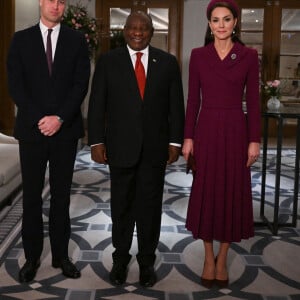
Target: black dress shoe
(28, 271)
(118, 274)
(68, 268)
(147, 276)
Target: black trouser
(34, 159)
(136, 199)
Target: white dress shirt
(54, 36)
(144, 57)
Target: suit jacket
(123, 121)
(38, 94)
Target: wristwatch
(60, 119)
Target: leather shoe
(68, 268)
(147, 276)
(28, 271)
(118, 274)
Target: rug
(263, 267)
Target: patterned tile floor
(264, 267)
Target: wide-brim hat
(233, 5)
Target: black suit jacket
(123, 121)
(38, 94)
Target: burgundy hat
(231, 3)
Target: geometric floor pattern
(263, 267)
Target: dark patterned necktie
(140, 73)
(49, 51)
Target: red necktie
(140, 73)
(49, 51)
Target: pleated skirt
(220, 204)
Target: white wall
(27, 13)
(194, 28)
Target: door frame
(7, 29)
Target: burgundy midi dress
(220, 204)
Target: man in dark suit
(137, 133)
(48, 125)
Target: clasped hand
(49, 125)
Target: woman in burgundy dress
(224, 140)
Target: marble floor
(263, 267)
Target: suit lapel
(127, 70)
(60, 48)
(153, 65)
(39, 52)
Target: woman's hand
(253, 153)
(187, 148)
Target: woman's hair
(209, 37)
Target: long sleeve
(252, 99)
(194, 98)
(97, 105)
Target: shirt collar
(132, 52)
(44, 28)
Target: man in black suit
(137, 133)
(48, 125)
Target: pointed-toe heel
(222, 283)
(208, 283)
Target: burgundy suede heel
(208, 283)
(221, 283)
